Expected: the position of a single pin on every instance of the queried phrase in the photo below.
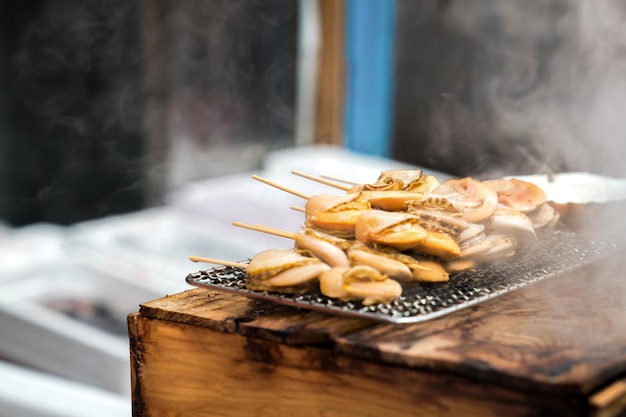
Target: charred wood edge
(136, 360)
(476, 371)
(311, 328)
(192, 302)
(248, 317)
(609, 401)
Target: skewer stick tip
(218, 262)
(321, 180)
(280, 187)
(340, 179)
(266, 229)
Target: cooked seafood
(511, 222)
(545, 217)
(426, 270)
(475, 247)
(459, 265)
(398, 230)
(437, 204)
(310, 242)
(437, 221)
(392, 180)
(502, 246)
(359, 282)
(473, 241)
(335, 215)
(425, 184)
(383, 261)
(439, 245)
(369, 285)
(518, 194)
(283, 270)
(478, 200)
(405, 227)
(328, 248)
(391, 200)
(331, 283)
(411, 180)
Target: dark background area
(443, 116)
(94, 96)
(487, 88)
(71, 112)
(97, 98)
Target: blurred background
(129, 131)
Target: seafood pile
(406, 227)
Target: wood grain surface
(557, 347)
(182, 371)
(255, 318)
(566, 333)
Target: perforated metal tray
(549, 256)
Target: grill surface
(551, 255)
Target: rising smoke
(73, 132)
(112, 102)
(553, 77)
(490, 87)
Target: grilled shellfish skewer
(518, 194)
(439, 245)
(408, 180)
(391, 200)
(336, 215)
(545, 217)
(392, 191)
(403, 267)
(526, 197)
(383, 262)
(398, 230)
(478, 200)
(404, 227)
(310, 242)
(283, 270)
(331, 283)
(427, 270)
(360, 282)
(337, 252)
(328, 248)
(511, 222)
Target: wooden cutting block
(555, 348)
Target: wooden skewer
(280, 187)
(218, 262)
(296, 208)
(321, 180)
(275, 231)
(266, 229)
(345, 181)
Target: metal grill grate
(553, 254)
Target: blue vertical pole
(369, 64)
